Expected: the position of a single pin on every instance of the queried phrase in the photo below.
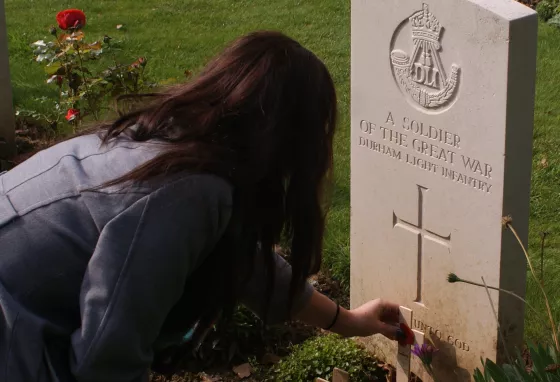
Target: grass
(179, 35)
(545, 195)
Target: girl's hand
(374, 317)
(377, 317)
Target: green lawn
(545, 197)
(179, 35)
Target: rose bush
(85, 89)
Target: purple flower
(425, 353)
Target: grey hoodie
(87, 278)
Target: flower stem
(543, 238)
(549, 310)
(506, 292)
(118, 67)
(88, 92)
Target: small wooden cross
(404, 352)
(338, 376)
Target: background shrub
(546, 9)
(319, 356)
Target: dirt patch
(530, 3)
(331, 288)
(31, 137)
(263, 347)
(261, 344)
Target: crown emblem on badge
(422, 76)
(425, 26)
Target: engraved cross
(423, 234)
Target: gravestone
(442, 118)
(7, 127)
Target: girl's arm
(315, 309)
(377, 316)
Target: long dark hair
(262, 115)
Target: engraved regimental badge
(422, 76)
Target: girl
(116, 243)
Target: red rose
(72, 114)
(71, 18)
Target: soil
(293, 333)
(331, 288)
(31, 137)
(530, 3)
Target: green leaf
(73, 99)
(478, 377)
(516, 373)
(98, 81)
(555, 21)
(95, 46)
(540, 361)
(43, 57)
(552, 352)
(497, 373)
(53, 68)
(486, 372)
(39, 43)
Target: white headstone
(442, 118)
(7, 127)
